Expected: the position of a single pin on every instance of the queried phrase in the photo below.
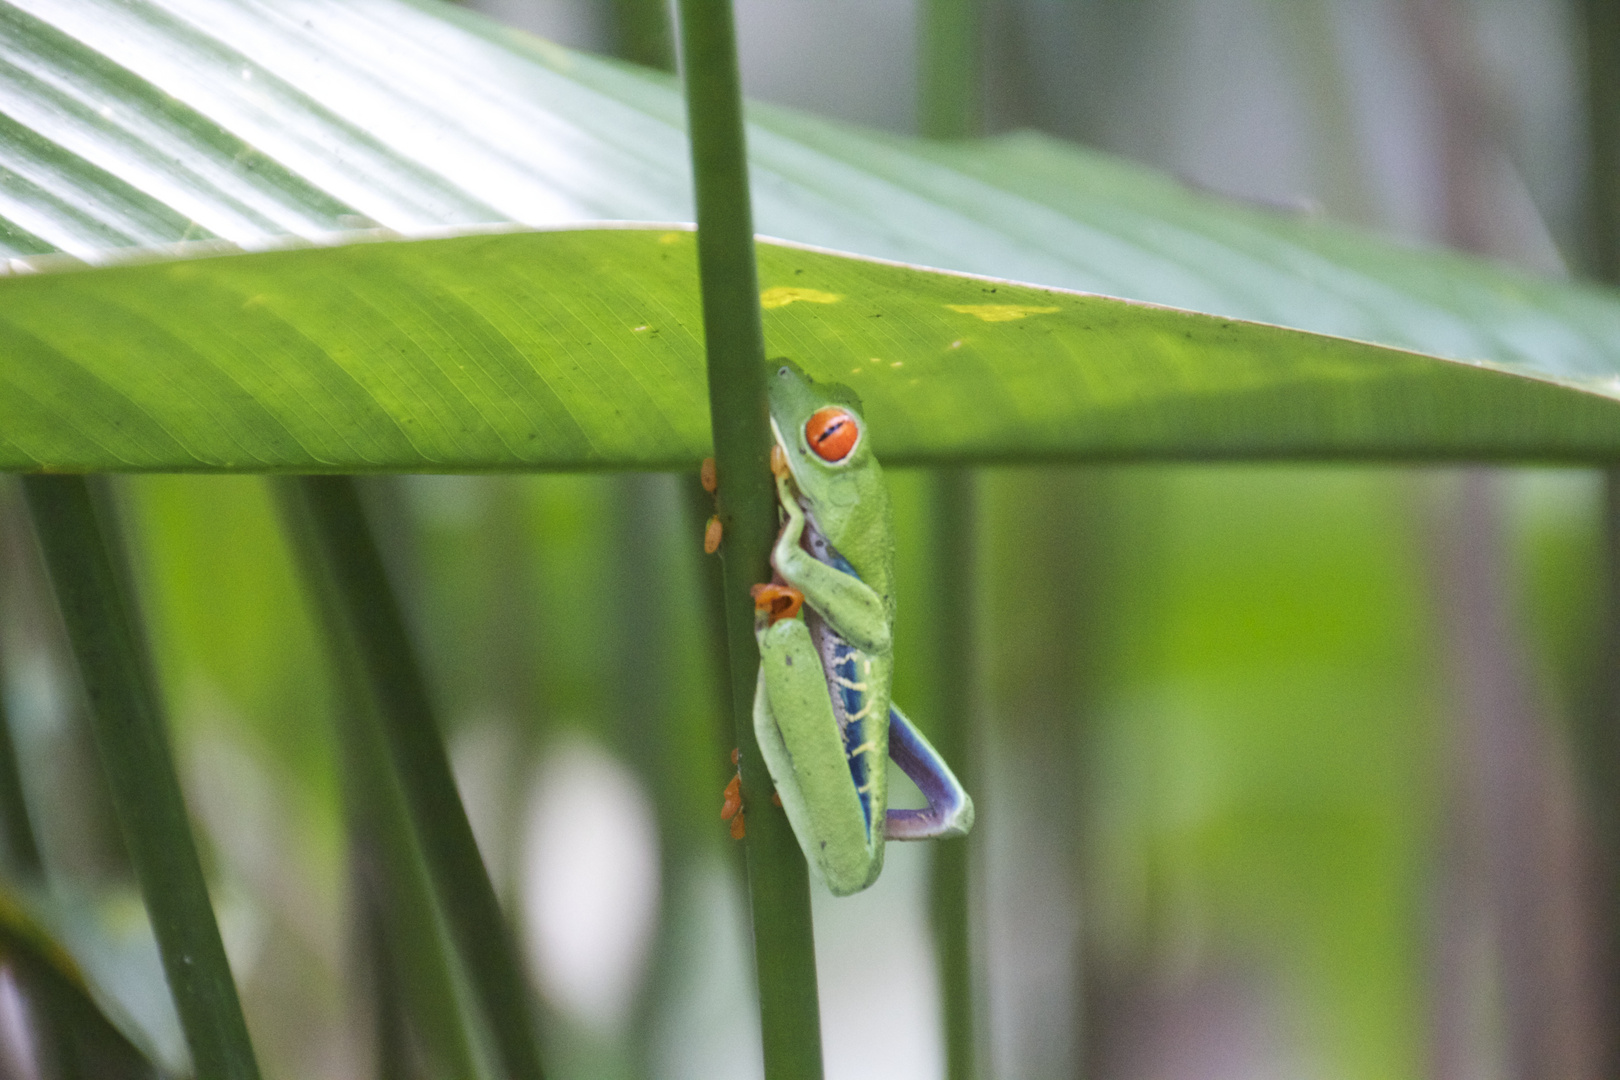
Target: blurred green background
(1286, 770)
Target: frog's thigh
(798, 734)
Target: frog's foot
(950, 810)
(732, 809)
(776, 602)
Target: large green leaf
(570, 349)
(136, 125)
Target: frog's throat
(790, 457)
(798, 485)
(787, 456)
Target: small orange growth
(778, 601)
(779, 465)
(776, 798)
(832, 433)
(711, 535)
(707, 477)
(731, 810)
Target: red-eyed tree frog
(825, 624)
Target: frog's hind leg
(804, 750)
(950, 810)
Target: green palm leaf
(237, 125)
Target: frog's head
(820, 429)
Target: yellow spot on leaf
(639, 329)
(671, 238)
(783, 295)
(897, 363)
(1000, 312)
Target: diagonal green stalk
(404, 945)
(778, 879)
(954, 663)
(22, 856)
(374, 628)
(78, 537)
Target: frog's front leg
(800, 738)
(849, 605)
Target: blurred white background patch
(590, 883)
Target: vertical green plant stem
(949, 102)
(954, 664)
(642, 34)
(949, 107)
(711, 581)
(1602, 38)
(1602, 736)
(375, 628)
(78, 539)
(1598, 759)
(778, 879)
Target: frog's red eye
(832, 433)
